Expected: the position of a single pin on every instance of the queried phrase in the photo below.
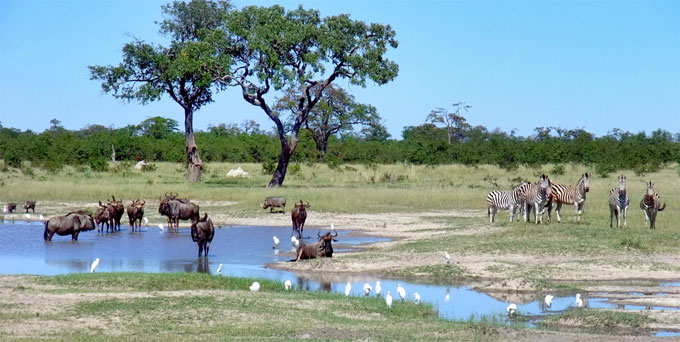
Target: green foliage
(557, 170)
(294, 168)
(151, 167)
(268, 167)
(98, 164)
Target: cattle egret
(416, 298)
(548, 300)
(42, 218)
(219, 269)
(388, 300)
(294, 241)
(287, 284)
(401, 292)
(348, 288)
(378, 288)
(276, 242)
(579, 301)
(448, 257)
(28, 216)
(146, 221)
(332, 226)
(367, 289)
(160, 225)
(447, 296)
(255, 287)
(95, 263)
(4, 208)
(511, 309)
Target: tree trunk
(287, 149)
(194, 162)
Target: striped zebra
(505, 200)
(650, 205)
(567, 194)
(618, 203)
(537, 197)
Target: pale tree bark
(194, 162)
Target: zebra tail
(663, 207)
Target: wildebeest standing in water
(117, 212)
(29, 205)
(321, 249)
(11, 206)
(298, 216)
(202, 232)
(72, 223)
(176, 209)
(135, 213)
(102, 216)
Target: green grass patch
(600, 319)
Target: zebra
(505, 200)
(650, 205)
(536, 198)
(567, 194)
(618, 203)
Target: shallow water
(244, 252)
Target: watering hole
(245, 252)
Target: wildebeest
(135, 213)
(11, 206)
(113, 210)
(321, 249)
(176, 209)
(651, 204)
(202, 232)
(72, 223)
(272, 202)
(102, 216)
(29, 205)
(117, 214)
(298, 216)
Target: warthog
(29, 205)
(202, 232)
(101, 217)
(321, 249)
(176, 209)
(299, 215)
(651, 204)
(135, 213)
(11, 206)
(274, 202)
(72, 223)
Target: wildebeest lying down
(29, 205)
(72, 223)
(323, 248)
(298, 216)
(176, 209)
(135, 213)
(272, 202)
(202, 232)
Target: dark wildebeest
(117, 214)
(299, 215)
(72, 223)
(111, 216)
(650, 205)
(321, 249)
(176, 209)
(29, 205)
(202, 232)
(11, 206)
(101, 217)
(274, 202)
(135, 213)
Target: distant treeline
(157, 139)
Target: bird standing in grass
(548, 301)
(255, 287)
(348, 288)
(388, 300)
(579, 301)
(219, 269)
(367, 289)
(401, 292)
(511, 309)
(287, 285)
(416, 298)
(378, 288)
(276, 242)
(447, 257)
(95, 263)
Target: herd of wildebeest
(110, 214)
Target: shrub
(293, 168)
(149, 167)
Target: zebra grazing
(618, 203)
(650, 205)
(537, 197)
(505, 200)
(567, 194)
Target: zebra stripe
(537, 198)
(650, 205)
(618, 203)
(567, 194)
(506, 200)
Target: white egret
(367, 289)
(288, 285)
(388, 300)
(146, 221)
(219, 269)
(378, 288)
(348, 288)
(294, 241)
(276, 242)
(579, 301)
(448, 257)
(160, 225)
(332, 226)
(401, 292)
(511, 309)
(4, 208)
(416, 298)
(255, 287)
(447, 296)
(548, 300)
(95, 263)
(42, 218)
(28, 216)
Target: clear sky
(520, 64)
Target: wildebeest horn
(143, 202)
(318, 234)
(166, 195)
(307, 205)
(336, 233)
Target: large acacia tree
(182, 70)
(274, 49)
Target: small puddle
(664, 333)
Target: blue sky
(520, 64)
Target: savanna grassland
(425, 210)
